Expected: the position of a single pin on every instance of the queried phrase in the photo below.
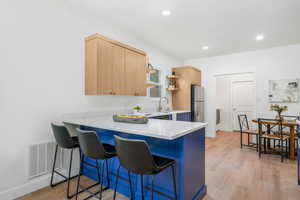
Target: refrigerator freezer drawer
(198, 111)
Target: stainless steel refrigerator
(197, 103)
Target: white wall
(268, 64)
(223, 102)
(42, 77)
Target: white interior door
(243, 101)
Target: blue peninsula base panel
(189, 153)
(298, 161)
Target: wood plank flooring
(231, 174)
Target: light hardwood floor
(231, 174)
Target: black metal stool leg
(152, 187)
(130, 185)
(107, 174)
(99, 179)
(66, 178)
(53, 167)
(117, 179)
(174, 181)
(69, 176)
(101, 184)
(142, 187)
(80, 172)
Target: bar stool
(92, 147)
(64, 141)
(135, 156)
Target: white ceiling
(226, 26)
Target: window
(154, 79)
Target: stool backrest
(62, 136)
(91, 145)
(135, 156)
(290, 117)
(72, 128)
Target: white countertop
(164, 129)
(155, 114)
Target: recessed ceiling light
(165, 13)
(260, 37)
(205, 47)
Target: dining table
(291, 124)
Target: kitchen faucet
(160, 108)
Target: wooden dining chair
(286, 130)
(288, 118)
(274, 133)
(245, 130)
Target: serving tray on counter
(133, 119)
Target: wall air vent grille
(41, 158)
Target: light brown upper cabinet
(135, 65)
(113, 68)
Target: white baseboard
(30, 186)
(210, 136)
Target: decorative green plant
(138, 108)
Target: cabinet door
(130, 72)
(91, 67)
(141, 89)
(111, 69)
(118, 74)
(135, 73)
(196, 77)
(105, 67)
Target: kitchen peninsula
(179, 140)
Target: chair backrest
(273, 123)
(62, 136)
(71, 128)
(91, 145)
(243, 122)
(290, 117)
(135, 156)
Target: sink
(165, 111)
